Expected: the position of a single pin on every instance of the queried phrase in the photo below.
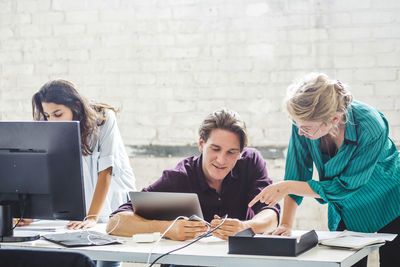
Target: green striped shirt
(361, 183)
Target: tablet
(165, 205)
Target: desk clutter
(81, 239)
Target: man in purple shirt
(226, 177)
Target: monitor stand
(6, 228)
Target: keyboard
(81, 239)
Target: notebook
(165, 205)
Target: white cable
(162, 235)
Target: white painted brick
(180, 52)
(382, 103)
(177, 136)
(69, 5)
(54, 68)
(138, 79)
(387, 4)
(381, 46)
(103, 4)
(348, 5)
(332, 19)
(173, 79)
(11, 57)
(31, 81)
(208, 106)
(257, 9)
(160, 66)
(388, 60)
(11, 69)
(260, 50)
(161, 93)
(387, 88)
(351, 62)
(375, 74)
(373, 18)
(153, 13)
(363, 89)
(14, 19)
(392, 31)
(81, 17)
(6, 33)
(307, 35)
(393, 117)
(47, 18)
(180, 106)
(6, 7)
(34, 31)
(350, 33)
(120, 66)
(151, 39)
(69, 29)
(103, 28)
(237, 64)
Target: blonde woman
(357, 163)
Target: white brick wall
(169, 63)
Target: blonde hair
(224, 119)
(315, 97)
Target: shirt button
(219, 199)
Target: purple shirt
(239, 187)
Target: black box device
(246, 242)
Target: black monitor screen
(41, 170)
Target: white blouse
(108, 152)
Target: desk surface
(203, 254)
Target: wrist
(94, 217)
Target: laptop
(165, 205)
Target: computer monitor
(40, 173)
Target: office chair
(43, 258)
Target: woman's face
(55, 112)
(312, 129)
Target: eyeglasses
(308, 130)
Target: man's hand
(185, 229)
(229, 228)
(88, 223)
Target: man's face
(220, 153)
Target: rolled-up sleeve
(107, 142)
(356, 174)
(299, 164)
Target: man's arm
(265, 220)
(127, 224)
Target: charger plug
(146, 238)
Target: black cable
(194, 241)
(22, 203)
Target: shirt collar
(350, 133)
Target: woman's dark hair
(90, 116)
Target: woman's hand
(282, 229)
(23, 222)
(88, 223)
(271, 194)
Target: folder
(246, 242)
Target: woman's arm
(289, 211)
(99, 196)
